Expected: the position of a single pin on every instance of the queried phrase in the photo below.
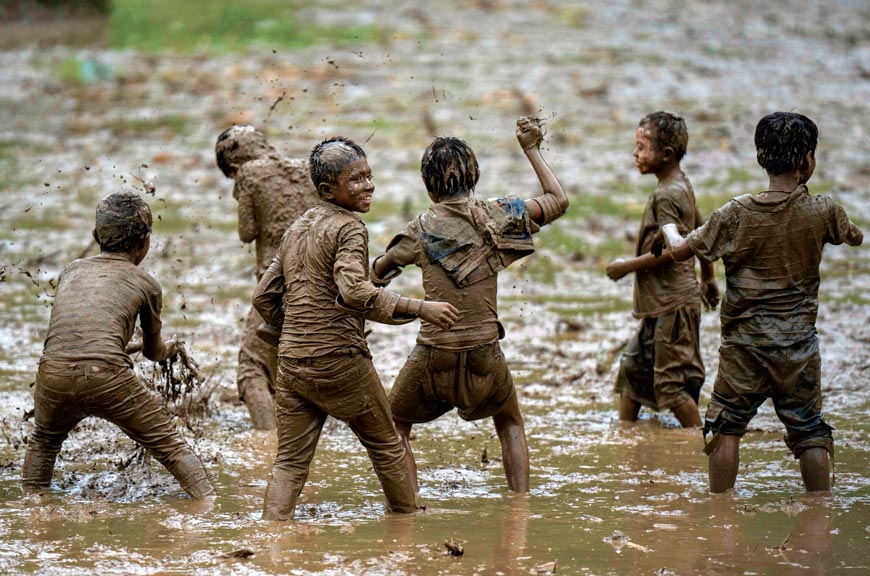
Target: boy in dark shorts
(85, 371)
(272, 191)
(324, 364)
(461, 244)
(771, 244)
(662, 367)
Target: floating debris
(454, 548)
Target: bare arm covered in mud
(710, 295)
(249, 229)
(620, 267)
(554, 202)
(668, 236)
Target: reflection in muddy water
(605, 498)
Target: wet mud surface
(606, 498)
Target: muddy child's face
(354, 188)
(647, 156)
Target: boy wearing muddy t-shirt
(272, 191)
(461, 244)
(320, 275)
(85, 371)
(771, 244)
(662, 367)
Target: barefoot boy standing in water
(662, 367)
(771, 244)
(272, 191)
(85, 371)
(324, 364)
(461, 244)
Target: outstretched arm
(668, 236)
(622, 266)
(554, 202)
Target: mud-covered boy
(272, 191)
(771, 244)
(320, 274)
(662, 368)
(84, 369)
(461, 244)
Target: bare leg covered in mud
(816, 469)
(514, 451)
(256, 374)
(724, 462)
(687, 413)
(629, 410)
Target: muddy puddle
(79, 123)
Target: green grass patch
(175, 124)
(222, 26)
(169, 218)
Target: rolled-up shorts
(662, 368)
(433, 381)
(789, 375)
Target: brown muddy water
(606, 498)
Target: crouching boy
(461, 244)
(324, 364)
(771, 244)
(85, 371)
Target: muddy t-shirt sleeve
(668, 208)
(149, 312)
(713, 240)
(270, 289)
(840, 229)
(403, 248)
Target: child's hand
(658, 243)
(616, 269)
(173, 347)
(710, 294)
(529, 133)
(441, 314)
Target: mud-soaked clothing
(461, 245)
(68, 392)
(433, 381)
(272, 191)
(95, 310)
(323, 255)
(661, 368)
(771, 249)
(84, 370)
(324, 364)
(663, 289)
(346, 387)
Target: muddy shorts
(661, 368)
(789, 375)
(433, 381)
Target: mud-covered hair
(237, 145)
(330, 157)
(449, 167)
(783, 140)
(123, 221)
(669, 130)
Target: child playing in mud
(85, 371)
(272, 191)
(771, 245)
(662, 367)
(461, 244)
(324, 364)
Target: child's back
(95, 310)
(771, 246)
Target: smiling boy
(324, 364)
(662, 367)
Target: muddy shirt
(665, 288)
(771, 250)
(272, 192)
(324, 254)
(95, 310)
(460, 245)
